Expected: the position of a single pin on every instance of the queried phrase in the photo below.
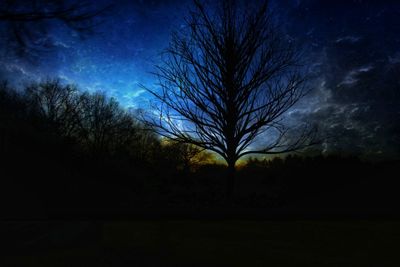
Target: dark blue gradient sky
(352, 48)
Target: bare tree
(185, 155)
(58, 103)
(94, 121)
(227, 80)
(104, 125)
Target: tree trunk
(230, 177)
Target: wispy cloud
(395, 59)
(348, 39)
(135, 94)
(352, 76)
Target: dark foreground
(201, 243)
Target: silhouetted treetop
(227, 80)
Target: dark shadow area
(204, 243)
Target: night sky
(352, 49)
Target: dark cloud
(359, 75)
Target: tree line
(54, 137)
(91, 122)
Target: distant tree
(108, 129)
(27, 23)
(94, 122)
(194, 156)
(104, 124)
(59, 104)
(227, 80)
(185, 156)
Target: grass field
(226, 243)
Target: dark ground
(202, 243)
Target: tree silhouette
(104, 126)
(96, 123)
(227, 80)
(187, 156)
(59, 104)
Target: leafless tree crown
(227, 79)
